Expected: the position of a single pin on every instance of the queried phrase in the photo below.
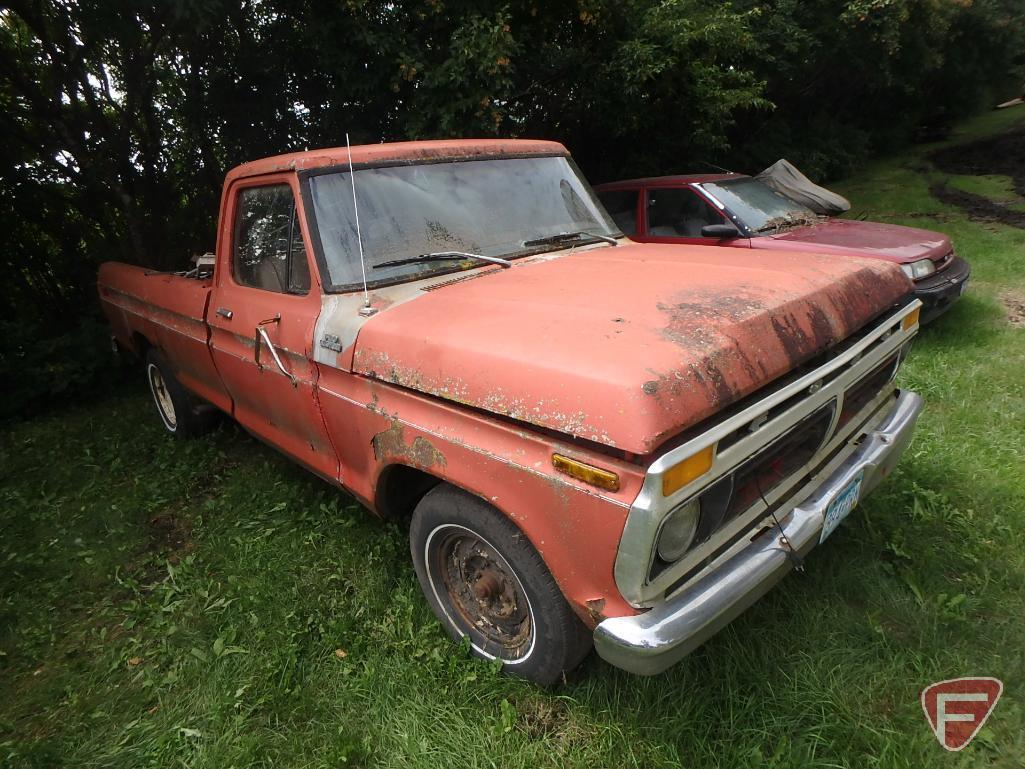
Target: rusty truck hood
(625, 346)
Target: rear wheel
(485, 581)
(180, 415)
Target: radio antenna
(717, 168)
(366, 309)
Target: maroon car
(741, 212)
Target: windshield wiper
(442, 256)
(567, 236)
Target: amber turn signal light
(590, 474)
(911, 319)
(682, 473)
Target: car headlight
(918, 270)
(678, 531)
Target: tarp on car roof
(784, 177)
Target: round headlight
(918, 270)
(678, 532)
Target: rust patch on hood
(748, 340)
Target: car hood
(851, 237)
(625, 346)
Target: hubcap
(162, 397)
(485, 593)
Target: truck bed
(166, 312)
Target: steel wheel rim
(162, 397)
(478, 589)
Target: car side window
(622, 207)
(679, 213)
(269, 252)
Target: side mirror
(720, 231)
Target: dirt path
(1014, 303)
(1003, 154)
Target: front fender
(576, 528)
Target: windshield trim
(306, 193)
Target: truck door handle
(224, 312)
(263, 338)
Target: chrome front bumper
(649, 643)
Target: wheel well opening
(140, 344)
(400, 488)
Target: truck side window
(622, 207)
(678, 213)
(269, 252)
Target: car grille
(866, 389)
(778, 463)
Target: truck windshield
(757, 205)
(490, 207)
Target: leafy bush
(37, 370)
(858, 77)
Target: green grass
(208, 604)
(994, 186)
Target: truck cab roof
(396, 153)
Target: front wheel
(485, 581)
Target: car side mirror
(720, 231)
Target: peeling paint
(391, 444)
(596, 609)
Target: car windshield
(488, 207)
(757, 205)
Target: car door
(262, 316)
(677, 215)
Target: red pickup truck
(739, 211)
(594, 440)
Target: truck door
(262, 315)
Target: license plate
(842, 505)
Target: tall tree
(121, 117)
